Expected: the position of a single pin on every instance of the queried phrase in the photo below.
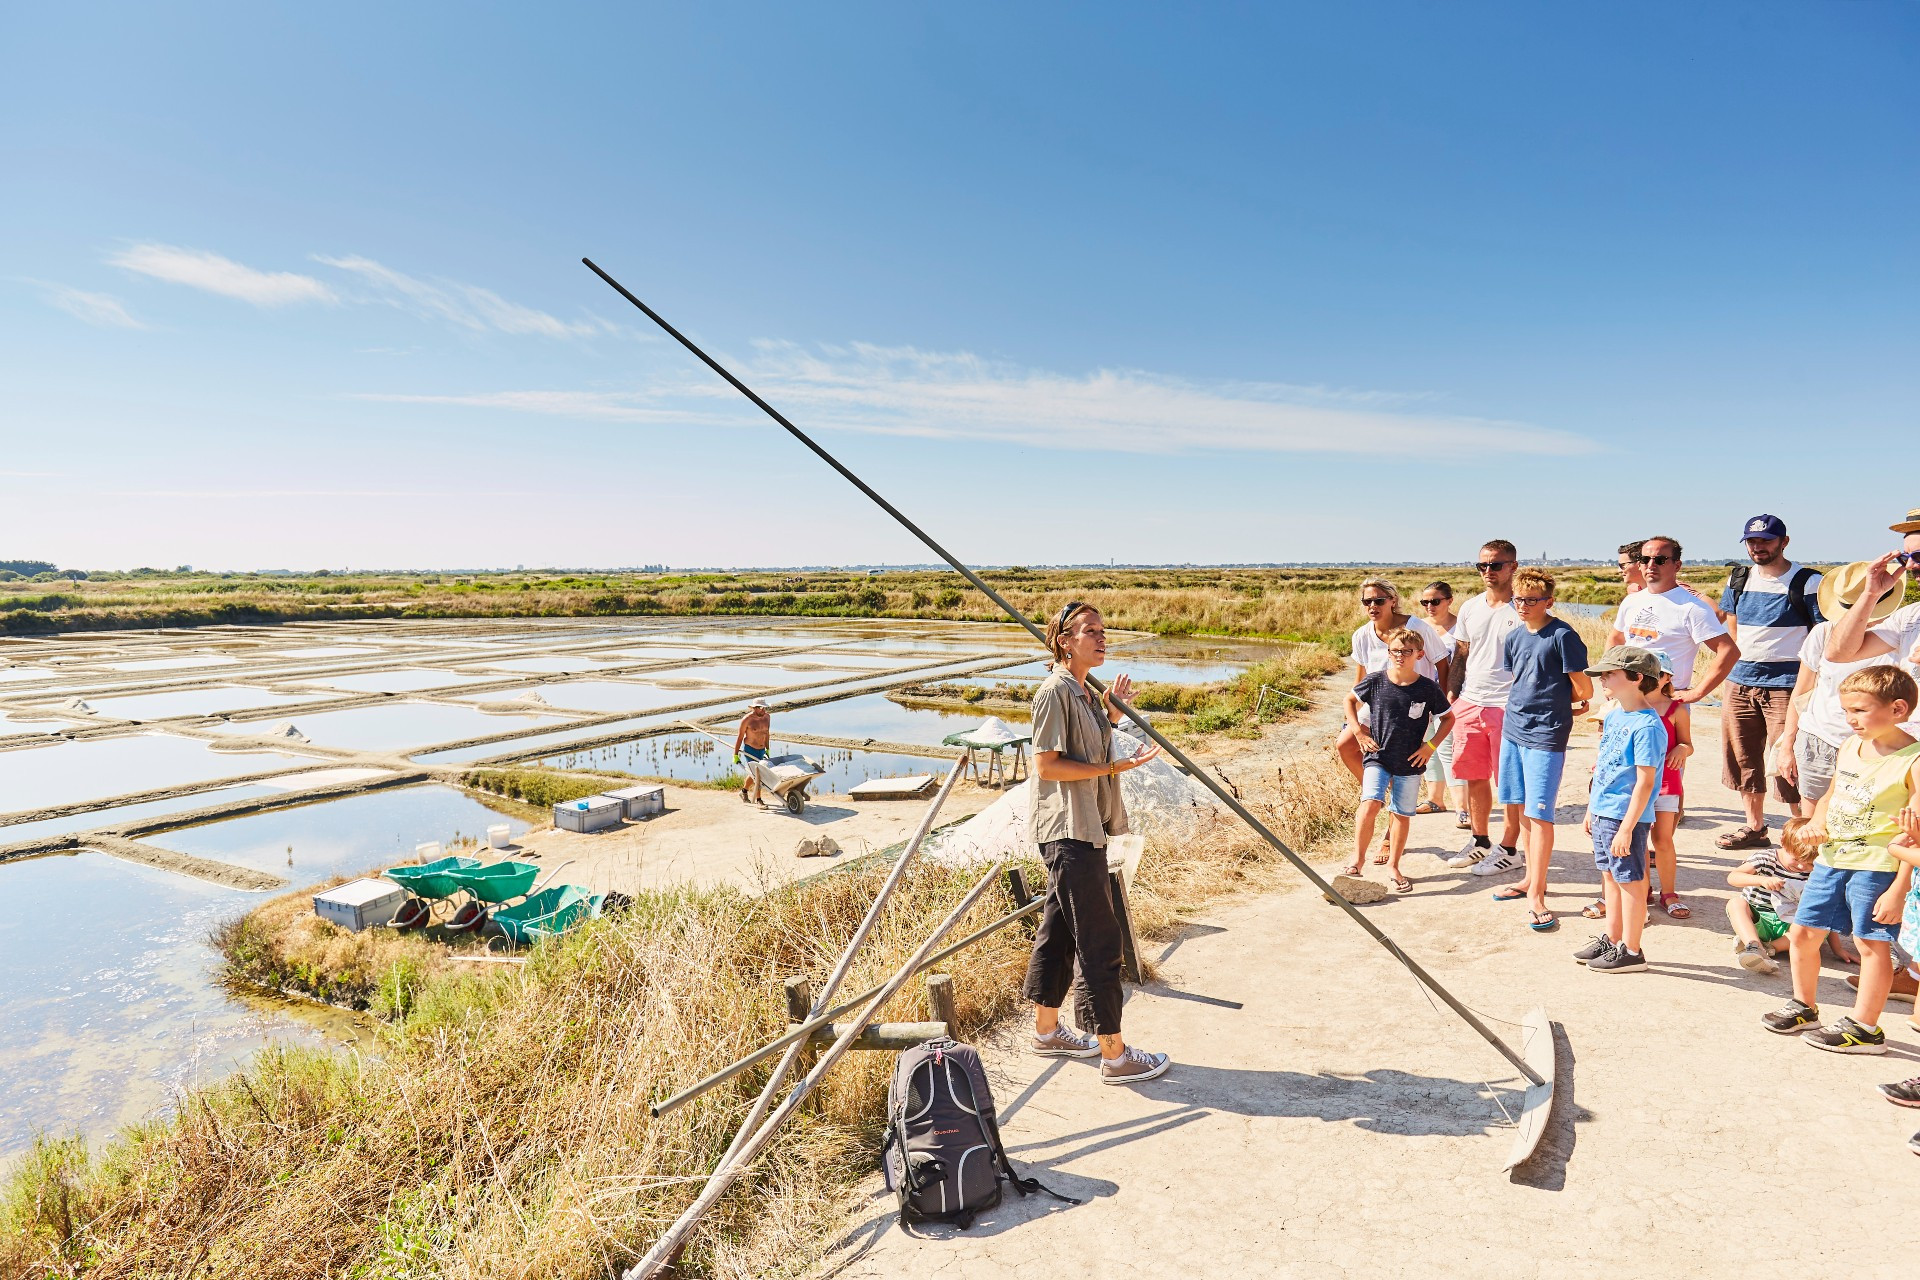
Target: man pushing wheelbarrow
(752, 741)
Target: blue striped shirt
(1772, 628)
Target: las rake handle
(839, 974)
(727, 1174)
(1239, 810)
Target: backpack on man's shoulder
(942, 1154)
(1803, 605)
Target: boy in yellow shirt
(1857, 886)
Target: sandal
(1512, 893)
(1671, 904)
(1427, 806)
(1402, 885)
(1744, 838)
(1542, 922)
(1594, 911)
(1353, 869)
(1462, 821)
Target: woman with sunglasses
(1436, 603)
(1076, 807)
(1381, 601)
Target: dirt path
(1322, 1119)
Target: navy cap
(1764, 527)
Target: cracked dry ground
(1323, 1119)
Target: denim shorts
(1400, 792)
(1530, 778)
(1623, 870)
(1842, 902)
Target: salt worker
(751, 741)
(1076, 807)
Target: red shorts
(1476, 742)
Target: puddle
(692, 757)
(324, 651)
(601, 696)
(349, 836)
(875, 716)
(10, 674)
(174, 664)
(661, 652)
(406, 680)
(559, 740)
(69, 772)
(195, 702)
(564, 662)
(750, 674)
(128, 812)
(10, 725)
(96, 1031)
(399, 726)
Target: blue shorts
(751, 752)
(1399, 792)
(1842, 902)
(1623, 870)
(1530, 778)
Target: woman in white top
(1381, 601)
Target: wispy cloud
(903, 391)
(464, 305)
(212, 273)
(248, 493)
(103, 310)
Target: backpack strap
(1025, 1186)
(1737, 584)
(1797, 589)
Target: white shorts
(1666, 804)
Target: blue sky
(301, 287)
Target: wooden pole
(940, 1000)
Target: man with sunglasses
(1480, 634)
(1672, 619)
(1853, 637)
(1771, 607)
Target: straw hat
(1839, 589)
(1910, 525)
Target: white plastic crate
(595, 813)
(359, 904)
(642, 801)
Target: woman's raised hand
(1147, 752)
(1120, 687)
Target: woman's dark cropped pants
(1077, 921)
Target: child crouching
(1769, 894)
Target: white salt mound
(1161, 801)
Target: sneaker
(1791, 1017)
(1470, 853)
(1598, 945)
(1062, 1043)
(1133, 1067)
(1754, 958)
(1913, 1144)
(1498, 859)
(1617, 960)
(1847, 1036)
(1904, 1094)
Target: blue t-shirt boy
(1540, 704)
(1629, 740)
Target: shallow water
(695, 758)
(69, 772)
(558, 663)
(97, 1029)
(96, 818)
(398, 726)
(408, 680)
(599, 696)
(196, 702)
(1140, 669)
(175, 664)
(11, 726)
(355, 834)
(875, 716)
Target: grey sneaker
(1133, 1067)
(1062, 1043)
(1598, 945)
(1754, 958)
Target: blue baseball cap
(1764, 526)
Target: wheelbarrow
(548, 913)
(428, 883)
(493, 884)
(787, 777)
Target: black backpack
(1807, 610)
(942, 1153)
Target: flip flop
(1352, 869)
(1542, 922)
(1428, 806)
(1512, 893)
(1594, 911)
(1671, 904)
(1402, 885)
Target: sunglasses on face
(1431, 604)
(1527, 602)
(1403, 653)
(1489, 566)
(1374, 602)
(1908, 559)
(1656, 559)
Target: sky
(300, 286)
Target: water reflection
(68, 772)
(692, 757)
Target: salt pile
(1162, 803)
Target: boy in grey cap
(1626, 777)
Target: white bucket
(429, 852)
(497, 836)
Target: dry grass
(502, 1130)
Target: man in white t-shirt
(1668, 618)
(1480, 633)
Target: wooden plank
(1537, 1105)
(892, 788)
